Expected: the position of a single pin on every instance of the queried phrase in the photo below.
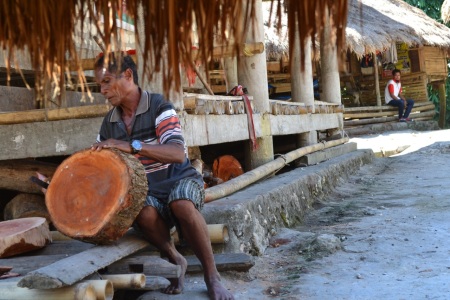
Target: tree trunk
(23, 235)
(26, 206)
(95, 196)
(15, 175)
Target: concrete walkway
(371, 228)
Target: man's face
(397, 76)
(112, 85)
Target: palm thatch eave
(374, 25)
(46, 29)
(445, 11)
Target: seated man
(393, 96)
(146, 125)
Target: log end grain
(95, 196)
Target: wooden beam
(137, 263)
(384, 107)
(357, 115)
(82, 264)
(417, 116)
(224, 262)
(151, 265)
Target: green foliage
(431, 7)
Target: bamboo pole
(126, 281)
(103, 289)
(43, 115)
(80, 291)
(235, 184)
(218, 234)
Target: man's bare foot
(217, 291)
(177, 284)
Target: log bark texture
(26, 206)
(95, 196)
(15, 175)
(23, 235)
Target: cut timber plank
(23, 235)
(224, 262)
(82, 264)
(148, 264)
(24, 264)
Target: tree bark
(95, 196)
(15, 175)
(26, 206)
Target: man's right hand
(112, 143)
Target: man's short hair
(395, 71)
(118, 62)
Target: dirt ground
(381, 235)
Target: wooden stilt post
(377, 79)
(331, 82)
(252, 74)
(302, 85)
(442, 105)
(331, 85)
(230, 67)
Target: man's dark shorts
(187, 189)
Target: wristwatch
(136, 146)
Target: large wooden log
(15, 175)
(23, 235)
(26, 206)
(95, 196)
(227, 167)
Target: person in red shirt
(393, 95)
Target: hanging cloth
(394, 58)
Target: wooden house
(372, 28)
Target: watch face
(136, 145)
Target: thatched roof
(374, 25)
(45, 28)
(445, 11)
